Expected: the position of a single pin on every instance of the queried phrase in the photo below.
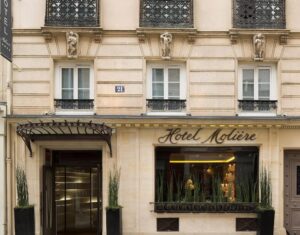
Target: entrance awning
(64, 130)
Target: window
(206, 174)
(257, 88)
(263, 14)
(74, 88)
(166, 87)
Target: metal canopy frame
(64, 130)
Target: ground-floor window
(206, 174)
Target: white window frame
(75, 66)
(255, 67)
(165, 66)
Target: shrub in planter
(266, 212)
(114, 210)
(24, 213)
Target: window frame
(165, 66)
(75, 66)
(256, 67)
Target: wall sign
(119, 89)
(5, 29)
(218, 136)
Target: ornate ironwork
(258, 105)
(204, 207)
(166, 13)
(72, 13)
(160, 105)
(73, 104)
(268, 14)
(30, 132)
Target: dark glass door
(77, 200)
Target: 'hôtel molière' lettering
(219, 136)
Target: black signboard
(5, 29)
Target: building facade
(192, 100)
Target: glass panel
(298, 180)
(60, 198)
(83, 94)
(67, 78)
(83, 78)
(94, 198)
(248, 84)
(157, 75)
(157, 90)
(67, 94)
(174, 90)
(174, 75)
(264, 84)
(204, 175)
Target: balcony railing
(166, 13)
(259, 14)
(258, 105)
(161, 105)
(73, 104)
(72, 13)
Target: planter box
(265, 222)
(24, 221)
(204, 207)
(114, 221)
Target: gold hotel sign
(218, 136)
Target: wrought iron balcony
(166, 13)
(258, 105)
(161, 105)
(259, 14)
(73, 104)
(72, 13)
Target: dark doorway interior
(76, 192)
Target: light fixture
(203, 161)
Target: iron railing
(72, 13)
(259, 14)
(166, 13)
(73, 104)
(161, 105)
(258, 105)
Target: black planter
(24, 221)
(114, 221)
(266, 222)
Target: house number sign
(218, 136)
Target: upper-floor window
(166, 87)
(74, 87)
(264, 14)
(166, 13)
(72, 13)
(257, 88)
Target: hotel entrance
(73, 193)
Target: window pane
(83, 94)
(174, 75)
(264, 75)
(67, 94)
(67, 78)
(157, 90)
(83, 78)
(157, 75)
(248, 84)
(206, 174)
(174, 89)
(264, 92)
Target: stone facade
(119, 53)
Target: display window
(206, 174)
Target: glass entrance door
(77, 200)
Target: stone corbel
(98, 37)
(233, 38)
(48, 36)
(191, 38)
(141, 37)
(283, 39)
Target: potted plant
(266, 212)
(24, 213)
(114, 210)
